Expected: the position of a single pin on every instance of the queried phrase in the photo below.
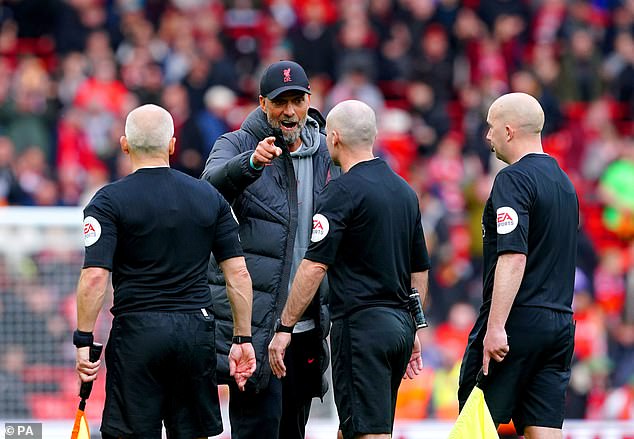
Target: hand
(415, 365)
(86, 369)
(496, 346)
(277, 347)
(241, 363)
(265, 152)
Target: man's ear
(172, 145)
(509, 132)
(336, 139)
(124, 145)
(262, 102)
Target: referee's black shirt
(368, 230)
(155, 230)
(533, 209)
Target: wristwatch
(279, 327)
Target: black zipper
(292, 229)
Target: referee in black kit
(155, 229)
(529, 227)
(367, 234)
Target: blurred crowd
(70, 70)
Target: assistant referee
(155, 229)
(529, 227)
(367, 233)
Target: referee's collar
(153, 167)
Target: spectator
(396, 63)
(72, 75)
(312, 41)
(188, 157)
(621, 352)
(432, 62)
(355, 83)
(32, 171)
(102, 91)
(212, 120)
(356, 43)
(525, 81)
(430, 120)
(10, 190)
(580, 79)
(620, 70)
(28, 113)
(609, 284)
(616, 192)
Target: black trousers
(281, 410)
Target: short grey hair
(149, 129)
(355, 122)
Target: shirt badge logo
(92, 231)
(320, 228)
(506, 219)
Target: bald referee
(154, 230)
(523, 338)
(367, 234)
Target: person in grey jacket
(270, 171)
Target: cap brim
(278, 91)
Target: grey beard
(289, 138)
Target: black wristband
(240, 339)
(279, 327)
(82, 339)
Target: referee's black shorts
(161, 366)
(529, 385)
(370, 352)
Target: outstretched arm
(228, 168)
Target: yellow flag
(474, 421)
(80, 429)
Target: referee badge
(506, 219)
(92, 231)
(320, 227)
